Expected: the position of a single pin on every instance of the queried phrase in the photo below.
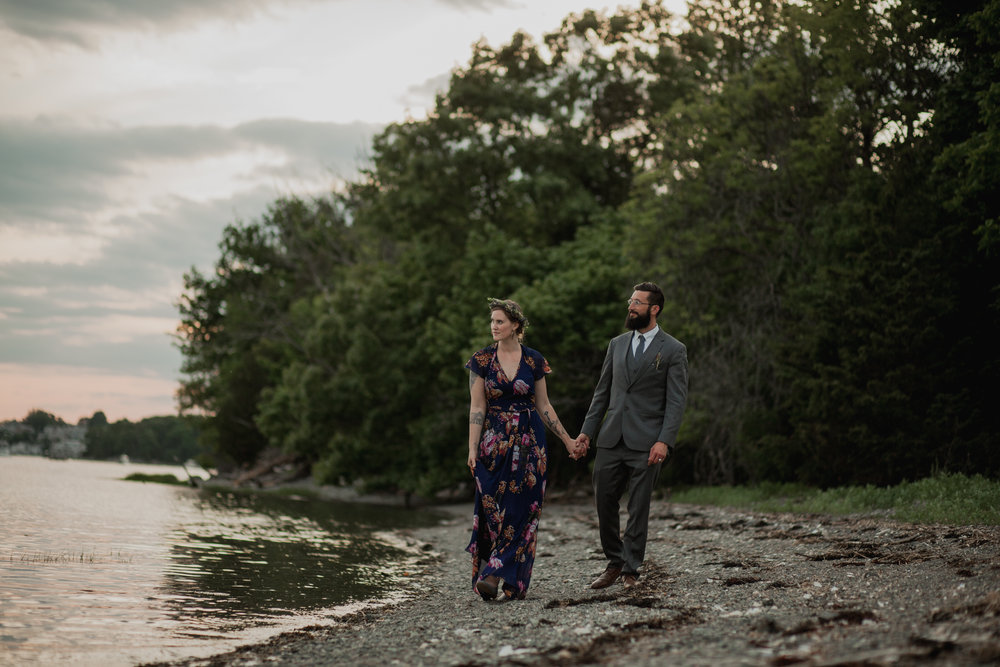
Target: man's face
(639, 314)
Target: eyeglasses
(636, 302)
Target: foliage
(156, 478)
(39, 420)
(835, 308)
(813, 183)
(167, 439)
(236, 333)
(953, 499)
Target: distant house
(60, 441)
(17, 439)
(65, 441)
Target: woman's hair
(513, 311)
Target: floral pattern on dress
(510, 473)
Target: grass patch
(67, 557)
(160, 478)
(945, 498)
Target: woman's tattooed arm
(553, 423)
(477, 416)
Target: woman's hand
(577, 448)
(472, 461)
(571, 449)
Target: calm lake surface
(98, 570)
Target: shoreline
(719, 586)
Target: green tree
(39, 420)
(812, 183)
(795, 224)
(531, 145)
(167, 439)
(236, 334)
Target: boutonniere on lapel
(658, 360)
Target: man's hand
(658, 454)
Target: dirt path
(720, 587)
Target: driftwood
(267, 467)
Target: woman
(507, 453)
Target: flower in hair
(512, 310)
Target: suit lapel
(621, 361)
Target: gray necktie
(638, 352)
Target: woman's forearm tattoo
(553, 422)
(476, 417)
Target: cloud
(79, 23)
(340, 149)
(97, 323)
(118, 309)
(72, 392)
(139, 273)
(98, 224)
(82, 24)
(422, 95)
(483, 5)
(53, 169)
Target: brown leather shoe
(488, 586)
(629, 580)
(608, 577)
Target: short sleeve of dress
(480, 362)
(539, 366)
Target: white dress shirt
(649, 335)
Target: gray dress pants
(615, 470)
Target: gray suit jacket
(643, 409)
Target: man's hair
(655, 293)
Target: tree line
(814, 185)
(166, 439)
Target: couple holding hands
(637, 406)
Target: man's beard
(638, 321)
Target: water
(95, 570)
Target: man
(640, 396)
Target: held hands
(578, 448)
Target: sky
(133, 131)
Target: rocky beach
(720, 586)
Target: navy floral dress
(510, 472)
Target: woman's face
(501, 326)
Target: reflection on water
(240, 557)
(97, 570)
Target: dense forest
(814, 184)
